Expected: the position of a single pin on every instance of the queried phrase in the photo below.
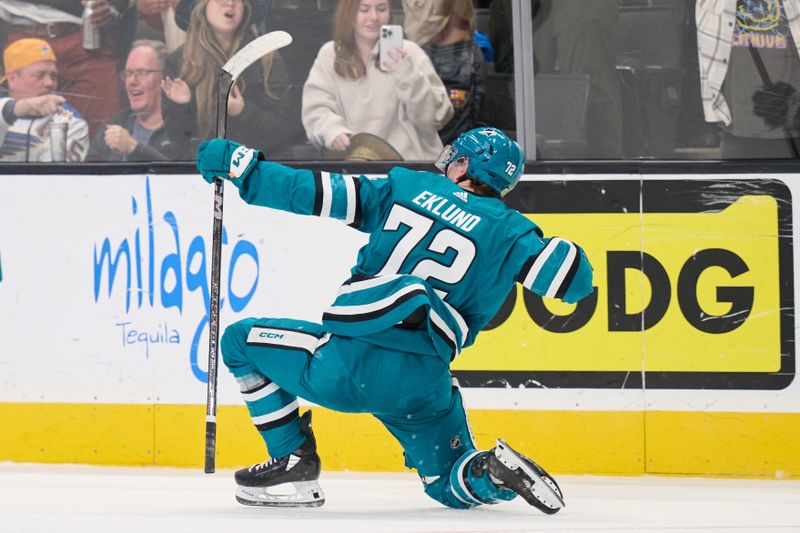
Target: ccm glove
(225, 159)
(772, 103)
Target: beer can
(91, 33)
(58, 140)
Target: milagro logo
(155, 269)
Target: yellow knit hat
(25, 52)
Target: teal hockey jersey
(438, 257)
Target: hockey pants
(276, 361)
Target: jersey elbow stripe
(337, 196)
(356, 203)
(526, 267)
(558, 255)
(350, 193)
(539, 262)
(327, 194)
(317, 209)
(561, 274)
(573, 269)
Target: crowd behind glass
(135, 80)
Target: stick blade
(254, 50)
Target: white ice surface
(64, 498)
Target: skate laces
(266, 464)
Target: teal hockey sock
(274, 412)
(472, 485)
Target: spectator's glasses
(139, 74)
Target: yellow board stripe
(591, 442)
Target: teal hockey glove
(225, 159)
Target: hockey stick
(245, 57)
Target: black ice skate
(512, 470)
(289, 481)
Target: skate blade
(298, 494)
(544, 489)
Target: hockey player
(442, 255)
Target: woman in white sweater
(402, 101)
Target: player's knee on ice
(465, 486)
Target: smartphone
(391, 38)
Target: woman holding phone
(351, 90)
(216, 30)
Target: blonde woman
(402, 101)
(256, 110)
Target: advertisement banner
(693, 290)
(105, 287)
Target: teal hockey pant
(275, 361)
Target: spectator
(749, 71)
(159, 15)
(445, 29)
(32, 105)
(137, 133)
(87, 77)
(258, 18)
(572, 37)
(257, 108)
(347, 92)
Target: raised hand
(225, 159)
(102, 13)
(235, 102)
(154, 7)
(38, 106)
(176, 90)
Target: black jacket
(462, 68)
(159, 148)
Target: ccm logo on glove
(240, 161)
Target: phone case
(391, 38)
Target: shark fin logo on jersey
(462, 195)
(240, 161)
(455, 442)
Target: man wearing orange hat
(32, 107)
